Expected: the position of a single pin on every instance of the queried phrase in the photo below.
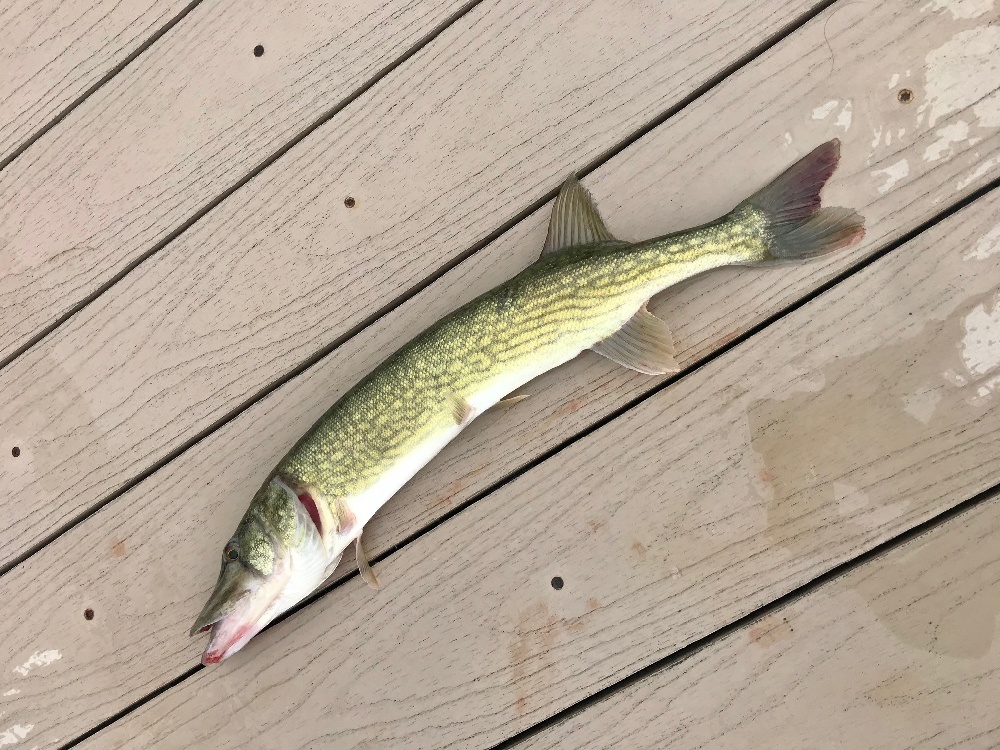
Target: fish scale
(587, 290)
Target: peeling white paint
(894, 80)
(987, 247)
(978, 172)
(980, 346)
(878, 137)
(12, 691)
(962, 73)
(950, 134)
(893, 174)
(38, 659)
(844, 118)
(960, 8)
(921, 403)
(788, 138)
(822, 112)
(15, 734)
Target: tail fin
(799, 229)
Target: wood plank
(54, 52)
(901, 652)
(283, 268)
(146, 562)
(853, 418)
(192, 117)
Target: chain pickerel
(588, 290)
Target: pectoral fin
(644, 344)
(363, 567)
(461, 410)
(575, 219)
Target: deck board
(192, 117)
(901, 652)
(740, 429)
(789, 454)
(282, 268)
(53, 52)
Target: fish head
(275, 559)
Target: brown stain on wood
(596, 523)
(593, 604)
(769, 631)
(118, 549)
(533, 664)
(639, 549)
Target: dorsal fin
(575, 219)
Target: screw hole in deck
(557, 583)
(15, 451)
(350, 202)
(258, 51)
(905, 96)
(88, 614)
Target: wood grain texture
(175, 130)
(52, 52)
(282, 268)
(145, 563)
(853, 418)
(901, 652)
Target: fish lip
(222, 644)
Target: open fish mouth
(229, 635)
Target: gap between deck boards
(717, 634)
(221, 197)
(95, 87)
(710, 84)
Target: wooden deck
(793, 544)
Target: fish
(587, 291)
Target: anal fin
(644, 344)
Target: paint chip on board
(987, 246)
(38, 659)
(824, 110)
(893, 174)
(960, 8)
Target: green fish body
(588, 290)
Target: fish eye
(231, 553)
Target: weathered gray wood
(185, 122)
(146, 562)
(283, 268)
(855, 417)
(52, 52)
(901, 652)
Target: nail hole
(258, 51)
(557, 583)
(350, 202)
(15, 451)
(905, 96)
(88, 614)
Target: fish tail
(795, 226)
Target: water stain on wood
(118, 549)
(639, 549)
(817, 446)
(939, 613)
